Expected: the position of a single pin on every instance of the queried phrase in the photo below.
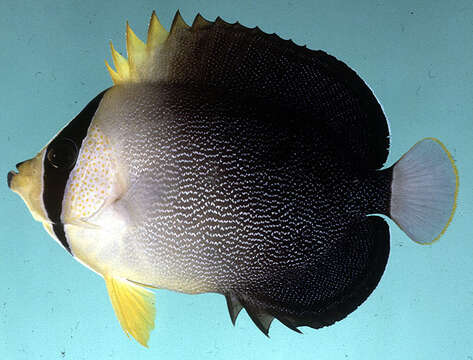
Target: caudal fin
(424, 191)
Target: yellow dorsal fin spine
(134, 307)
(116, 78)
(136, 50)
(121, 64)
(139, 54)
(157, 34)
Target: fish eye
(62, 154)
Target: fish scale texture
(239, 197)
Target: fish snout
(27, 182)
(11, 174)
(25, 173)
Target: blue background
(417, 56)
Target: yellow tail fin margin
(134, 307)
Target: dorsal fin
(178, 23)
(249, 62)
(200, 23)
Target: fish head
(72, 180)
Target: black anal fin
(288, 323)
(368, 238)
(261, 319)
(353, 268)
(234, 307)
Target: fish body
(226, 160)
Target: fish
(227, 160)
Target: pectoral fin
(134, 307)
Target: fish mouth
(12, 173)
(27, 183)
(10, 176)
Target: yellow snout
(28, 183)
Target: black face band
(59, 161)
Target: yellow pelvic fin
(134, 307)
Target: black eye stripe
(55, 175)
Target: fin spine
(178, 23)
(113, 74)
(200, 22)
(135, 49)
(234, 307)
(261, 320)
(288, 324)
(157, 34)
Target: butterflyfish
(230, 161)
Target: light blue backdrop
(417, 56)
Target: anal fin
(134, 307)
(288, 323)
(334, 286)
(234, 307)
(261, 319)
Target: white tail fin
(424, 191)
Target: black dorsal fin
(248, 63)
(312, 84)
